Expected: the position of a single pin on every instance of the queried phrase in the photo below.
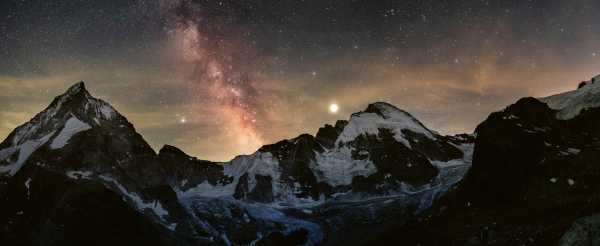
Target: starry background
(221, 78)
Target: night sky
(222, 78)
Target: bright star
(333, 108)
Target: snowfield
(570, 104)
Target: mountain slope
(534, 172)
(570, 104)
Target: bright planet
(333, 108)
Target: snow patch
(139, 203)
(262, 163)
(570, 104)
(25, 150)
(171, 226)
(573, 151)
(205, 189)
(337, 167)
(27, 186)
(450, 173)
(107, 111)
(79, 174)
(72, 127)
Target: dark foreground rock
(532, 176)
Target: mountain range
(79, 173)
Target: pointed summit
(75, 96)
(78, 101)
(78, 89)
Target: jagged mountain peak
(79, 101)
(70, 113)
(77, 89)
(75, 103)
(74, 97)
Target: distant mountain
(380, 151)
(78, 173)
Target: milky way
(221, 78)
(225, 73)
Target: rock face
(534, 172)
(78, 171)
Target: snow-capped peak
(381, 115)
(75, 102)
(70, 113)
(570, 104)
